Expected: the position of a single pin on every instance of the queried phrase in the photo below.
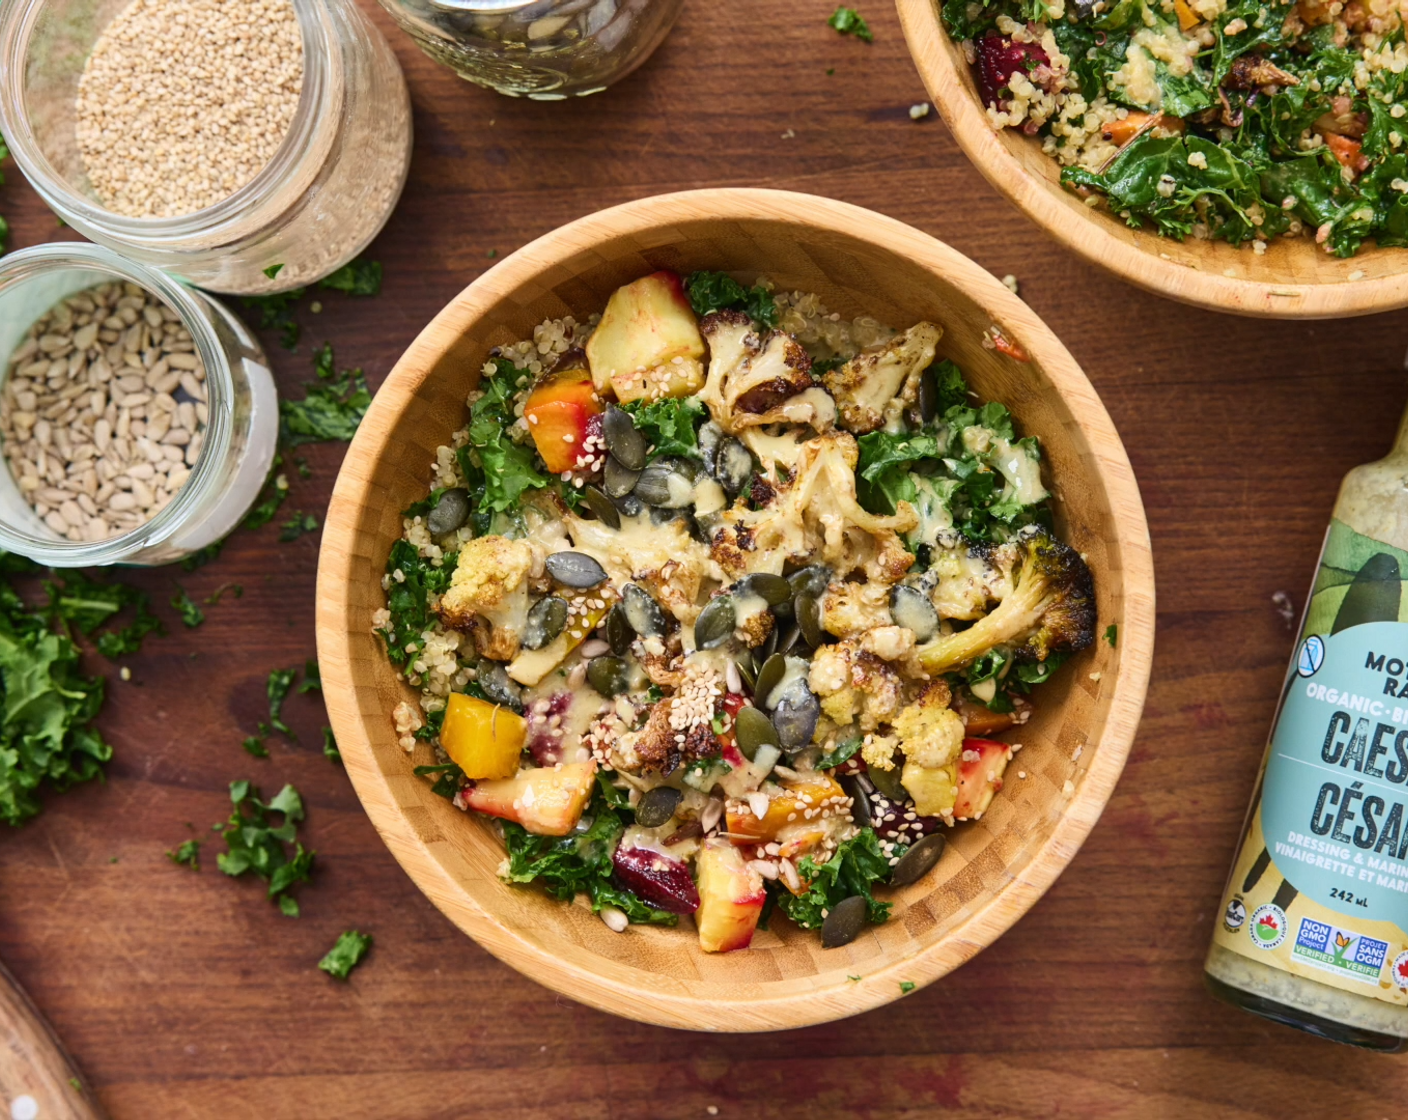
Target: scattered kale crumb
(312, 677)
(331, 408)
(255, 745)
(346, 954)
(301, 464)
(853, 978)
(191, 614)
(848, 21)
(357, 278)
(906, 986)
(718, 291)
(254, 844)
(1112, 634)
(271, 497)
(201, 557)
(276, 314)
(235, 590)
(493, 253)
(77, 1085)
(87, 604)
(297, 525)
(273, 270)
(187, 853)
(330, 746)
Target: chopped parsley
(254, 844)
(718, 291)
(331, 408)
(848, 21)
(191, 614)
(186, 853)
(346, 954)
(855, 868)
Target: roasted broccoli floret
(1051, 608)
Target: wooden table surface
(185, 994)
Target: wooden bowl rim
(995, 915)
(1086, 236)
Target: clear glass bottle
(546, 50)
(1313, 925)
(239, 435)
(326, 193)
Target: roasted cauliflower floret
(892, 643)
(930, 732)
(755, 380)
(490, 582)
(879, 752)
(848, 609)
(1052, 607)
(965, 580)
(854, 685)
(878, 384)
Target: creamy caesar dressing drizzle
(1373, 500)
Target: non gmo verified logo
(1311, 656)
(1268, 928)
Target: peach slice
(731, 898)
(548, 801)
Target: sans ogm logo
(1311, 656)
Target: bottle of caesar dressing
(1313, 928)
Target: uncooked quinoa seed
(103, 411)
(182, 102)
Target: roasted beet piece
(545, 733)
(657, 880)
(999, 58)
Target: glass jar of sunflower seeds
(138, 417)
(546, 50)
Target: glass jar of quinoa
(546, 50)
(138, 417)
(213, 139)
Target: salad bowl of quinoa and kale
(726, 628)
(1241, 155)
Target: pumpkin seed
(919, 860)
(667, 482)
(808, 612)
(617, 479)
(623, 438)
(888, 782)
(767, 649)
(715, 623)
(911, 608)
(496, 684)
(657, 806)
(618, 631)
(844, 921)
(928, 396)
(860, 800)
(630, 505)
(769, 677)
(770, 588)
(814, 579)
(746, 671)
(608, 675)
(642, 612)
(709, 438)
(605, 510)
(752, 729)
(795, 716)
(733, 466)
(789, 639)
(575, 569)
(450, 512)
(546, 620)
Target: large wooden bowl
(993, 869)
(1294, 279)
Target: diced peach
(1347, 150)
(731, 898)
(648, 342)
(532, 665)
(485, 740)
(1121, 132)
(548, 801)
(558, 413)
(1187, 18)
(808, 792)
(979, 778)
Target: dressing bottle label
(1320, 886)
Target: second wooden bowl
(1294, 279)
(1073, 750)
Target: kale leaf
(408, 599)
(253, 844)
(507, 468)
(86, 603)
(191, 614)
(718, 291)
(671, 424)
(186, 853)
(848, 21)
(855, 869)
(277, 688)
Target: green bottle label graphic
(1320, 886)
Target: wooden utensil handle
(38, 1081)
